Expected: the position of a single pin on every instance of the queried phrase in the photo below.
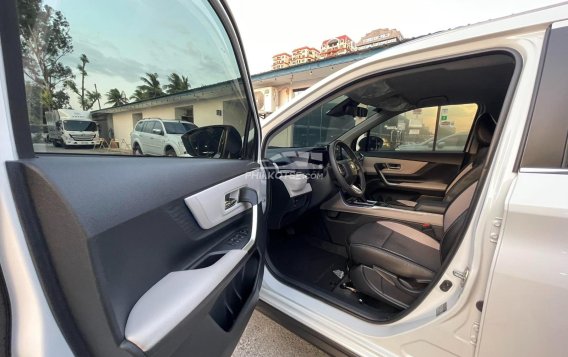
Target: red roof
(305, 48)
(281, 54)
(342, 37)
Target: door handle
(229, 201)
(391, 166)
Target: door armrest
(431, 206)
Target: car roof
(166, 120)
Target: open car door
(143, 256)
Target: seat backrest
(461, 192)
(483, 132)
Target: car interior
(367, 225)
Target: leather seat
(394, 262)
(483, 130)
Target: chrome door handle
(229, 202)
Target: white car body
(513, 256)
(158, 141)
(503, 227)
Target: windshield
(178, 127)
(79, 125)
(322, 125)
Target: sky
(124, 39)
(271, 27)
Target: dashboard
(305, 168)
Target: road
(265, 338)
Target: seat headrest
(484, 129)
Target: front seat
(394, 262)
(483, 132)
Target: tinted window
(116, 62)
(320, 126)
(417, 130)
(546, 143)
(178, 128)
(148, 126)
(139, 126)
(154, 126)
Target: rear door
(419, 152)
(153, 138)
(143, 256)
(528, 277)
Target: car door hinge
(474, 333)
(463, 275)
(495, 229)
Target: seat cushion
(397, 248)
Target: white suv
(159, 137)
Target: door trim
(336, 203)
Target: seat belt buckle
(427, 229)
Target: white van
(68, 127)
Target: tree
(116, 97)
(139, 95)
(86, 98)
(151, 87)
(45, 38)
(177, 84)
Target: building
(337, 46)
(281, 60)
(379, 38)
(215, 104)
(304, 55)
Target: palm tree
(116, 97)
(139, 95)
(92, 98)
(151, 87)
(177, 84)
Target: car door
(144, 135)
(125, 255)
(528, 274)
(418, 152)
(153, 138)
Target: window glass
(155, 126)
(178, 127)
(454, 126)
(147, 127)
(93, 69)
(321, 125)
(415, 130)
(139, 126)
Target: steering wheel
(347, 171)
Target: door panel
(127, 265)
(410, 174)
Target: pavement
(49, 148)
(265, 338)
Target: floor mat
(295, 257)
